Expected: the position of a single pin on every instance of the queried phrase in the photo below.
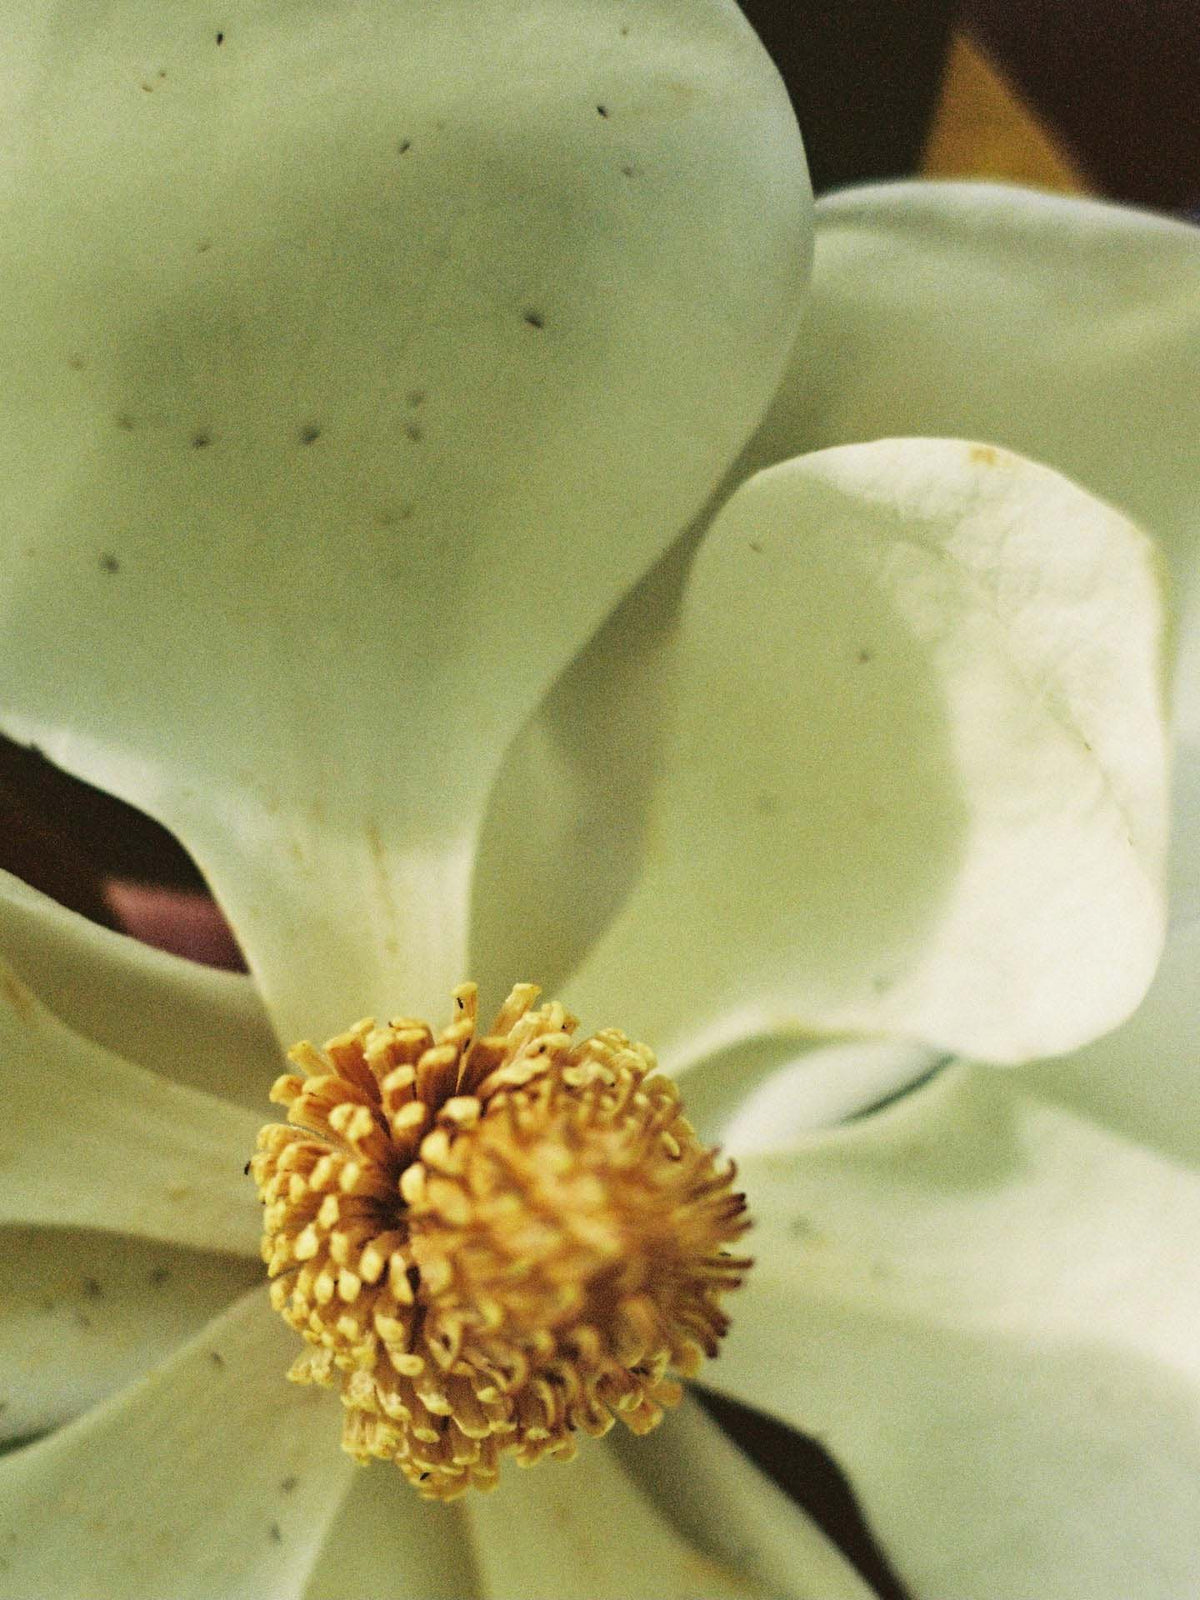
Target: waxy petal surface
(689, 1465)
(387, 1544)
(212, 1479)
(601, 1537)
(991, 1308)
(1143, 1079)
(916, 779)
(356, 362)
(90, 1140)
(83, 1314)
(1065, 329)
(192, 1024)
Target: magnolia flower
(358, 364)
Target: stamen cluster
(492, 1244)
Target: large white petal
(356, 363)
(720, 1501)
(388, 1544)
(1185, 804)
(1143, 1079)
(987, 1308)
(1062, 328)
(916, 778)
(761, 1090)
(814, 1089)
(682, 1499)
(84, 1313)
(191, 1023)
(565, 829)
(585, 1531)
(89, 1140)
(212, 1479)
(679, 1513)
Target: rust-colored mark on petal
(984, 455)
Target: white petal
(85, 1313)
(355, 368)
(1062, 328)
(917, 776)
(565, 829)
(715, 1495)
(816, 1089)
(1143, 1079)
(1185, 801)
(986, 1308)
(188, 1022)
(761, 1091)
(583, 1530)
(1065, 329)
(91, 1141)
(213, 1479)
(388, 1544)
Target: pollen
(492, 1243)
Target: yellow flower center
(492, 1243)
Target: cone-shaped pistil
(492, 1244)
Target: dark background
(1114, 80)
